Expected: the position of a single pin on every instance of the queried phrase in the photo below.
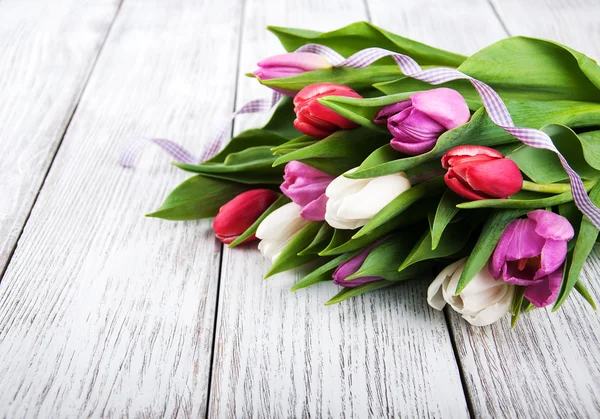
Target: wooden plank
(384, 354)
(549, 365)
(104, 312)
(47, 50)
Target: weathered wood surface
(47, 50)
(549, 365)
(104, 312)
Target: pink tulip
(240, 213)
(316, 120)
(477, 172)
(350, 267)
(531, 253)
(306, 186)
(290, 64)
(417, 123)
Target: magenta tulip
(351, 266)
(477, 172)
(290, 64)
(531, 253)
(306, 186)
(315, 119)
(417, 123)
(236, 216)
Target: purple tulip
(290, 64)
(306, 186)
(350, 267)
(531, 253)
(417, 123)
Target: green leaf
(520, 68)
(289, 258)
(445, 212)
(361, 35)
(524, 199)
(453, 240)
(347, 293)
(282, 120)
(582, 290)
(320, 241)
(383, 260)
(339, 152)
(517, 304)
(401, 203)
(324, 272)
(363, 111)
(355, 78)
(590, 142)
(480, 130)
(488, 239)
(586, 238)
(543, 166)
(198, 197)
(281, 201)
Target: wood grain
(47, 51)
(385, 354)
(102, 311)
(549, 365)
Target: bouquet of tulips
(386, 160)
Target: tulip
(353, 202)
(306, 186)
(482, 302)
(290, 64)
(351, 266)
(477, 172)
(316, 120)
(531, 253)
(236, 216)
(278, 228)
(417, 123)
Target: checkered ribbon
(493, 104)
(130, 153)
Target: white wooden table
(106, 313)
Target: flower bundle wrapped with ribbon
(386, 160)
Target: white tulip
(278, 228)
(483, 301)
(353, 202)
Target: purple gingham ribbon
(493, 104)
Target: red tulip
(240, 213)
(476, 172)
(316, 120)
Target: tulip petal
(498, 178)
(304, 61)
(435, 296)
(546, 291)
(413, 149)
(551, 226)
(315, 211)
(411, 125)
(498, 260)
(304, 184)
(308, 129)
(378, 192)
(494, 312)
(461, 188)
(553, 256)
(318, 111)
(383, 115)
(469, 150)
(445, 106)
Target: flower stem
(554, 188)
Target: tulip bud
(477, 172)
(306, 186)
(290, 64)
(240, 213)
(482, 302)
(316, 120)
(531, 252)
(417, 123)
(353, 202)
(278, 228)
(351, 266)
